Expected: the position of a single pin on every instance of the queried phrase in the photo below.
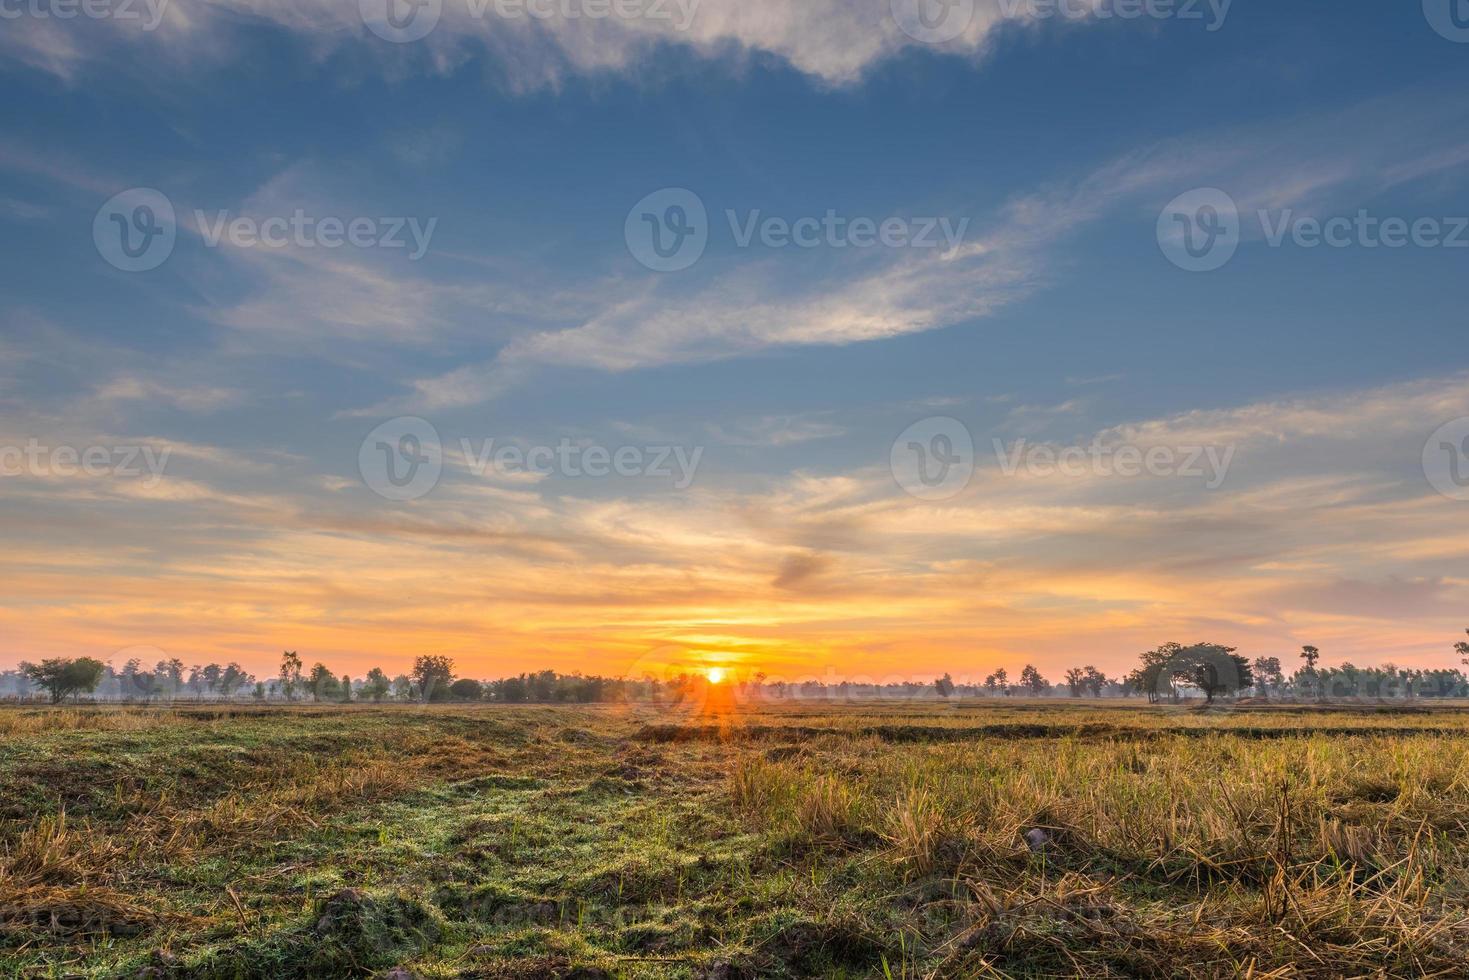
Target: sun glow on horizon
(715, 675)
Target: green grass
(802, 840)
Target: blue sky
(1055, 143)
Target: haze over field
(775, 336)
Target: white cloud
(835, 41)
(192, 398)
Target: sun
(715, 675)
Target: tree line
(1169, 672)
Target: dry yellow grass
(927, 841)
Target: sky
(822, 338)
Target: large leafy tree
(323, 682)
(1268, 674)
(232, 679)
(433, 675)
(171, 673)
(467, 689)
(63, 678)
(1031, 679)
(376, 685)
(1214, 669)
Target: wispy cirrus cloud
(193, 398)
(748, 306)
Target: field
(849, 840)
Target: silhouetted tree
(1212, 668)
(1309, 677)
(211, 673)
(63, 678)
(233, 678)
(322, 681)
(466, 689)
(376, 685)
(1267, 674)
(433, 675)
(290, 674)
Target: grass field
(861, 840)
